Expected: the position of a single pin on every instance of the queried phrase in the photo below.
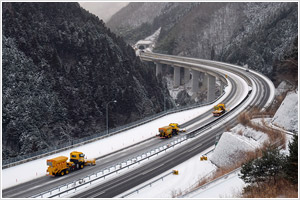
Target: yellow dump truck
(219, 110)
(169, 131)
(61, 166)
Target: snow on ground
(150, 41)
(232, 145)
(25, 172)
(289, 109)
(187, 87)
(154, 36)
(227, 187)
(37, 168)
(175, 90)
(283, 87)
(189, 173)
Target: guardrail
(102, 174)
(192, 134)
(149, 184)
(80, 183)
(213, 181)
(193, 188)
(75, 143)
(88, 180)
(154, 181)
(157, 56)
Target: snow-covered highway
(237, 95)
(255, 97)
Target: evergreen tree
(248, 172)
(291, 167)
(61, 66)
(267, 168)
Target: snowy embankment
(234, 144)
(193, 170)
(229, 186)
(229, 148)
(37, 168)
(150, 41)
(289, 109)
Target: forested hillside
(61, 66)
(256, 33)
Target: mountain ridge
(61, 67)
(233, 32)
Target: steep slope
(289, 107)
(139, 20)
(267, 33)
(61, 66)
(104, 10)
(135, 14)
(256, 33)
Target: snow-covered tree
(264, 169)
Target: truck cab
(219, 110)
(77, 158)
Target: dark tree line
(61, 66)
(272, 166)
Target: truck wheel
(81, 166)
(67, 171)
(62, 173)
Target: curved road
(259, 97)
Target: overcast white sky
(104, 10)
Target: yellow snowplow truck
(60, 165)
(169, 131)
(219, 110)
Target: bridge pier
(208, 77)
(186, 77)
(195, 81)
(176, 76)
(208, 81)
(211, 93)
(203, 76)
(158, 68)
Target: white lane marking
(195, 147)
(97, 194)
(198, 122)
(146, 172)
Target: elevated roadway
(248, 89)
(259, 93)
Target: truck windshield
(49, 163)
(81, 155)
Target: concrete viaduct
(206, 77)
